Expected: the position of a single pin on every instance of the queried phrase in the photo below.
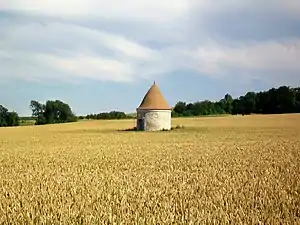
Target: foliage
(52, 112)
(108, 116)
(26, 118)
(279, 100)
(274, 101)
(8, 119)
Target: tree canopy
(8, 119)
(274, 101)
(108, 116)
(52, 112)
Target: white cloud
(235, 5)
(137, 8)
(63, 50)
(271, 56)
(154, 10)
(89, 67)
(292, 7)
(71, 50)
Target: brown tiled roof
(154, 99)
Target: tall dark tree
(286, 100)
(226, 103)
(3, 115)
(52, 112)
(8, 119)
(179, 107)
(297, 97)
(38, 110)
(248, 102)
(12, 119)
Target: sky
(103, 55)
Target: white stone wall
(155, 120)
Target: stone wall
(155, 120)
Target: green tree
(52, 112)
(228, 100)
(12, 119)
(8, 119)
(38, 110)
(248, 102)
(3, 116)
(109, 116)
(180, 107)
(297, 99)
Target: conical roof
(154, 99)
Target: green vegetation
(109, 116)
(27, 122)
(274, 101)
(52, 112)
(8, 119)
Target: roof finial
(154, 82)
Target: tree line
(107, 116)
(274, 101)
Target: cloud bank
(123, 42)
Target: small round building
(154, 113)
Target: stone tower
(154, 113)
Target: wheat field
(219, 170)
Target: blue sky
(102, 55)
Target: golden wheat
(230, 170)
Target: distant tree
(3, 115)
(228, 100)
(8, 119)
(276, 100)
(38, 112)
(13, 119)
(248, 102)
(180, 107)
(109, 116)
(52, 112)
(175, 114)
(286, 98)
(297, 99)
